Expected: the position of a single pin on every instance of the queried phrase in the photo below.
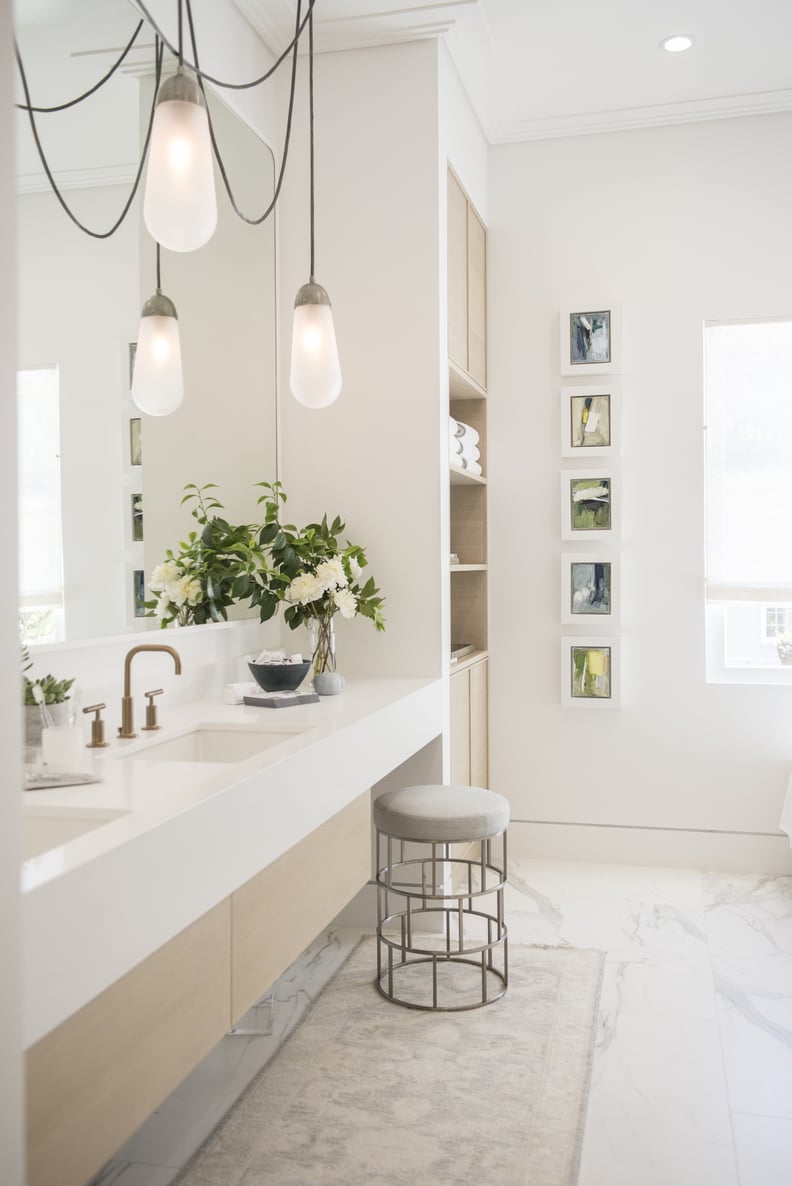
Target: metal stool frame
(435, 899)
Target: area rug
(365, 1093)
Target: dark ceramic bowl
(279, 677)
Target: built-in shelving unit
(467, 390)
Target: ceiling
(536, 69)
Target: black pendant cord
(311, 127)
(287, 138)
(229, 86)
(45, 164)
(159, 278)
(161, 41)
(92, 90)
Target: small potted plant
(784, 648)
(48, 691)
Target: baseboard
(730, 852)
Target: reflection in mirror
(96, 472)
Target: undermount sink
(44, 828)
(213, 744)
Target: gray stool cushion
(441, 813)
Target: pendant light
(315, 377)
(179, 204)
(157, 383)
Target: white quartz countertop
(192, 832)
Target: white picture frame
(590, 414)
(585, 493)
(590, 671)
(591, 339)
(586, 590)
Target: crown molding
(273, 21)
(590, 123)
(37, 183)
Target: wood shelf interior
(469, 610)
(469, 523)
(462, 386)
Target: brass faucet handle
(97, 727)
(151, 711)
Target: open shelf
(468, 567)
(463, 477)
(461, 385)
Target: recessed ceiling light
(676, 44)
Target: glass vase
(322, 641)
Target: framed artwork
(137, 518)
(588, 420)
(589, 672)
(135, 442)
(590, 339)
(588, 504)
(132, 351)
(589, 589)
(139, 592)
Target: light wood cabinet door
(477, 298)
(276, 914)
(457, 274)
(459, 690)
(479, 726)
(97, 1077)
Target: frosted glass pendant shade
(179, 206)
(157, 384)
(315, 377)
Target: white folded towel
(461, 447)
(472, 467)
(464, 431)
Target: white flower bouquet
(315, 575)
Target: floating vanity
(159, 903)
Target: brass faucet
(127, 727)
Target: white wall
(11, 1094)
(373, 455)
(680, 225)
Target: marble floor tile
(764, 1150)
(755, 1009)
(168, 1138)
(658, 1112)
(124, 1173)
(628, 912)
(748, 916)
(660, 987)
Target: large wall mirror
(101, 483)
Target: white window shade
(748, 386)
(40, 534)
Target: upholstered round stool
(449, 900)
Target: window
(40, 532)
(748, 400)
(777, 619)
